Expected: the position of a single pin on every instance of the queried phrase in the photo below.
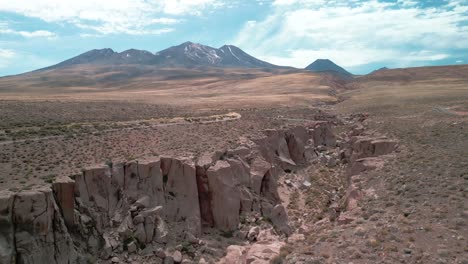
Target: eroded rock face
(94, 190)
(274, 148)
(7, 228)
(181, 193)
(322, 134)
(258, 169)
(297, 139)
(204, 193)
(279, 218)
(153, 200)
(33, 230)
(64, 189)
(363, 147)
(225, 195)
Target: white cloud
(29, 34)
(178, 7)
(5, 57)
(6, 53)
(105, 17)
(353, 34)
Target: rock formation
(125, 206)
(33, 230)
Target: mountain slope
(325, 65)
(187, 54)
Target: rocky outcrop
(364, 146)
(181, 193)
(263, 251)
(322, 134)
(32, 229)
(274, 148)
(204, 193)
(64, 189)
(297, 138)
(365, 164)
(225, 192)
(125, 206)
(279, 218)
(7, 228)
(364, 154)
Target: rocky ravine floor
(414, 207)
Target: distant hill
(187, 54)
(378, 70)
(428, 73)
(325, 65)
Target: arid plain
(412, 202)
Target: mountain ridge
(187, 54)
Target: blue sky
(359, 35)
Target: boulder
(365, 164)
(363, 147)
(234, 255)
(253, 233)
(263, 252)
(384, 146)
(177, 256)
(225, 195)
(279, 218)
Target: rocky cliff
(110, 209)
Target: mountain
(187, 54)
(378, 70)
(325, 65)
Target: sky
(359, 35)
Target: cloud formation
(354, 33)
(5, 56)
(107, 17)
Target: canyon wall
(121, 207)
